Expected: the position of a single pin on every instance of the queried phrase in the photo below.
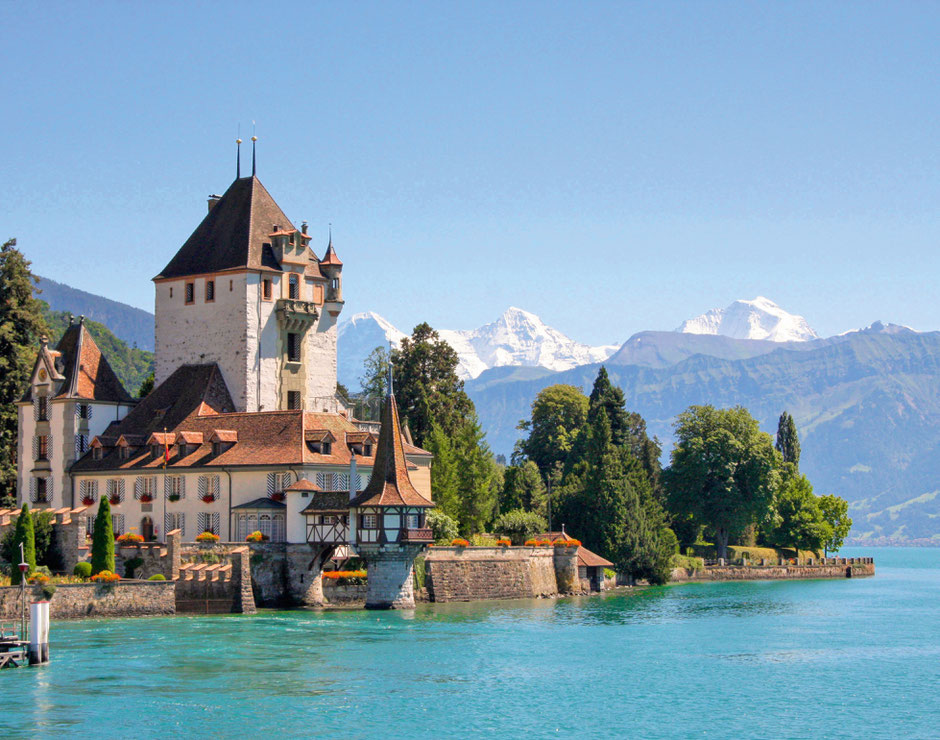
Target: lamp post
(24, 569)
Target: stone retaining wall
(471, 573)
(83, 600)
(827, 568)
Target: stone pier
(391, 576)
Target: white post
(35, 633)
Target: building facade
(243, 429)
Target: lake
(791, 659)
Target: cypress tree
(24, 533)
(102, 544)
(788, 441)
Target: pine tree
(25, 534)
(102, 544)
(21, 326)
(444, 480)
(523, 488)
(788, 441)
(476, 471)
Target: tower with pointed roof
(387, 520)
(72, 396)
(247, 292)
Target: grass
(753, 554)
(687, 562)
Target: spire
(238, 159)
(254, 168)
(391, 391)
(390, 484)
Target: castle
(243, 430)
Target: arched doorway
(146, 528)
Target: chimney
(352, 476)
(303, 228)
(213, 199)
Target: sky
(611, 167)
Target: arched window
(264, 525)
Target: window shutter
(35, 448)
(166, 487)
(35, 409)
(203, 485)
(138, 487)
(272, 484)
(32, 490)
(216, 522)
(167, 522)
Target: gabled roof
(327, 501)
(390, 484)
(81, 367)
(233, 234)
(589, 559)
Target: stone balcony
(296, 316)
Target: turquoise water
(823, 659)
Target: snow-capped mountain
(516, 338)
(760, 318)
(357, 337)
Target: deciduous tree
(835, 512)
(723, 470)
(799, 520)
(558, 414)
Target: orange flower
(459, 542)
(503, 543)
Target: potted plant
(114, 499)
(88, 500)
(208, 498)
(173, 497)
(146, 498)
(256, 537)
(130, 538)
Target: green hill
(130, 364)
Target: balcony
(417, 535)
(296, 316)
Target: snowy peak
(520, 338)
(517, 338)
(760, 318)
(880, 327)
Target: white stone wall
(205, 332)
(321, 357)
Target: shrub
(207, 537)
(419, 572)
(82, 570)
(131, 566)
(48, 591)
(102, 546)
(24, 533)
(459, 542)
(106, 576)
(130, 538)
(157, 577)
(483, 540)
(256, 537)
(520, 525)
(443, 527)
(610, 573)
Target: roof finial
(254, 139)
(71, 319)
(391, 392)
(238, 158)
(331, 233)
(44, 341)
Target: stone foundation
(391, 580)
(84, 600)
(471, 573)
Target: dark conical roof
(233, 234)
(390, 484)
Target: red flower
(208, 498)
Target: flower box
(88, 501)
(114, 500)
(130, 538)
(208, 499)
(207, 537)
(173, 497)
(146, 499)
(256, 537)
(459, 542)
(277, 496)
(567, 543)
(503, 543)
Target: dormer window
(156, 451)
(186, 449)
(367, 450)
(125, 452)
(97, 453)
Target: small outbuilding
(591, 570)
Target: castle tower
(387, 520)
(247, 292)
(73, 395)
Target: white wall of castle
(239, 331)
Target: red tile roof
(589, 559)
(224, 435)
(390, 484)
(304, 484)
(330, 257)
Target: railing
(417, 535)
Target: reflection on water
(628, 664)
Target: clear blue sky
(611, 167)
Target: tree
(835, 512)
(146, 386)
(476, 472)
(374, 378)
(558, 414)
(799, 520)
(21, 326)
(723, 470)
(443, 527)
(102, 543)
(444, 480)
(523, 488)
(519, 525)
(788, 441)
(25, 535)
(426, 384)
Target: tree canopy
(558, 414)
(723, 470)
(788, 441)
